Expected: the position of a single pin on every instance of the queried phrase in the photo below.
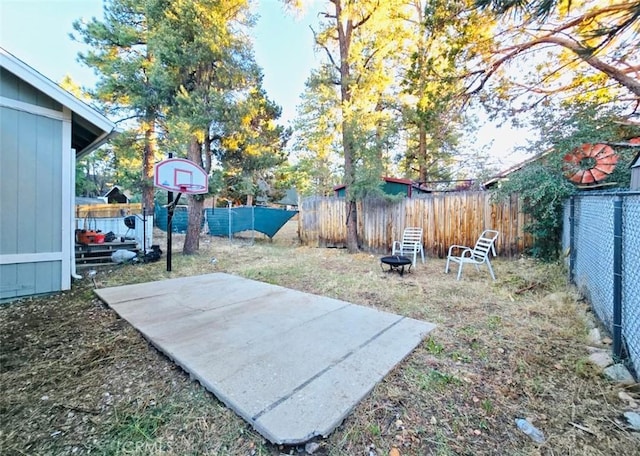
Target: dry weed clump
(76, 379)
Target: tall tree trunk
(352, 221)
(196, 205)
(422, 153)
(380, 149)
(349, 179)
(192, 238)
(148, 159)
(422, 129)
(345, 29)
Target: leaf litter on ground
(76, 379)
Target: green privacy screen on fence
(224, 221)
(180, 219)
(266, 220)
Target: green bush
(543, 193)
(542, 184)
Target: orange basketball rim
(590, 163)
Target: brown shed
(116, 195)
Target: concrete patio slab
(290, 363)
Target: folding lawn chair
(477, 255)
(410, 245)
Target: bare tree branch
(618, 75)
(583, 52)
(326, 49)
(366, 18)
(631, 83)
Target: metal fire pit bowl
(396, 263)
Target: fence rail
(602, 232)
(107, 210)
(451, 218)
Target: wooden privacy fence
(446, 219)
(107, 210)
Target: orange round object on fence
(589, 163)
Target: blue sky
(36, 31)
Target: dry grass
(76, 379)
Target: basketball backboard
(180, 175)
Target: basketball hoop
(191, 188)
(180, 175)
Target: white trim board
(20, 258)
(67, 201)
(34, 109)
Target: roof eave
(100, 140)
(53, 90)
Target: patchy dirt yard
(76, 379)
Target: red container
(89, 237)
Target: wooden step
(96, 255)
(107, 246)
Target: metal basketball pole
(230, 216)
(166, 176)
(169, 217)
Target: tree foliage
(586, 51)
(130, 82)
(576, 63)
(390, 89)
(442, 39)
(543, 185)
(317, 135)
(184, 75)
(354, 36)
(219, 107)
(543, 191)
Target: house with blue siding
(43, 131)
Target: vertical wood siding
(31, 182)
(446, 219)
(31, 165)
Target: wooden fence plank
(107, 210)
(446, 219)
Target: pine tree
(129, 77)
(219, 109)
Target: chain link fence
(602, 236)
(631, 277)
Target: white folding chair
(410, 245)
(477, 255)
